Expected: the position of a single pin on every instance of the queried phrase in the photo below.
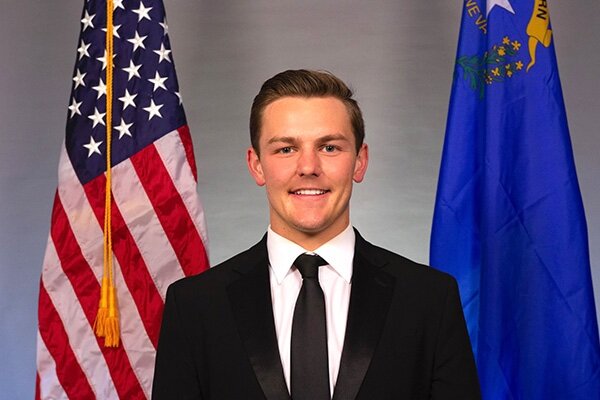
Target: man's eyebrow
(332, 137)
(281, 139)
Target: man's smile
(309, 192)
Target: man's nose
(309, 163)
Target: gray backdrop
(398, 55)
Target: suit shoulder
(403, 267)
(429, 287)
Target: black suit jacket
(405, 335)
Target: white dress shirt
(335, 279)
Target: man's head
(307, 84)
(306, 153)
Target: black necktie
(310, 369)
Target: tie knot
(308, 265)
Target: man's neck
(308, 240)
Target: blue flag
(509, 221)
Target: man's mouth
(309, 192)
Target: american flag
(158, 231)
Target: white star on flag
(115, 31)
(158, 81)
(123, 129)
(74, 107)
(179, 97)
(87, 20)
(83, 50)
(128, 100)
(500, 3)
(153, 110)
(103, 60)
(78, 78)
(97, 118)
(118, 4)
(164, 26)
(138, 41)
(142, 12)
(93, 147)
(101, 89)
(132, 70)
(163, 54)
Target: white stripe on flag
(82, 219)
(50, 387)
(144, 226)
(170, 148)
(134, 338)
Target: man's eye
(329, 148)
(285, 150)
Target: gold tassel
(100, 322)
(111, 327)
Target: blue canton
(146, 100)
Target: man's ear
(255, 167)
(362, 161)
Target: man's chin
(311, 227)
(316, 229)
(309, 224)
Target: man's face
(307, 162)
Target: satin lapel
(370, 298)
(250, 298)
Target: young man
(313, 311)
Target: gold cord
(107, 319)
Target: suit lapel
(370, 298)
(250, 298)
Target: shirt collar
(338, 252)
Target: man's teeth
(310, 192)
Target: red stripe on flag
(87, 290)
(170, 210)
(74, 265)
(133, 267)
(186, 139)
(37, 386)
(70, 375)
